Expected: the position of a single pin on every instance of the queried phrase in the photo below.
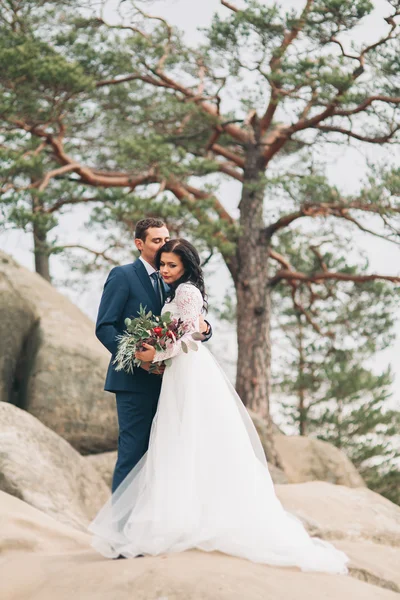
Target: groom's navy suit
(127, 287)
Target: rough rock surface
(104, 463)
(308, 459)
(41, 468)
(339, 512)
(63, 386)
(18, 318)
(57, 564)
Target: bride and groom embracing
(191, 471)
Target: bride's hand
(146, 355)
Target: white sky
(346, 167)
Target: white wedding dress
(204, 481)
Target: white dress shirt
(149, 268)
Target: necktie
(157, 285)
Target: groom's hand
(204, 327)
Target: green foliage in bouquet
(155, 331)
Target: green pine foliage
(129, 120)
(327, 375)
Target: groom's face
(155, 238)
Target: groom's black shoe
(121, 556)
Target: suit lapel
(148, 286)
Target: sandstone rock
(277, 475)
(57, 563)
(27, 529)
(308, 459)
(259, 424)
(188, 576)
(339, 512)
(41, 468)
(104, 463)
(373, 563)
(18, 318)
(64, 383)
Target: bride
(204, 481)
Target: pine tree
(93, 112)
(327, 377)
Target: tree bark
(253, 381)
(301, 389)
(40, 245)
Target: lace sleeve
(189, 302)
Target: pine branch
(337, 209)
(327, 275)
(382, 139)
(96, 253)
(229, 5)
(366, 103)
(276, 62)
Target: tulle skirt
(204, 482)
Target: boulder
(308, 459)
(104, 463)
(63, 384)
(277, 475)
(27, 529)
(44, 470)
(339, 512)
(57, 563)
(375, 563)
(17, 323)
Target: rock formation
(309, 459)
(44, 470)
(52, 365)
(57, 562)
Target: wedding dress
(204, 481)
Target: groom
(127, 287)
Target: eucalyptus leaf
(184, 347)
(168, 362)
(193, 346)
(197, 336)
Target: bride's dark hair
(191, 262)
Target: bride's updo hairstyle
(191, 262)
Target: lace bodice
(186, 305)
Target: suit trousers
(136, 411)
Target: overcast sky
(346, 167)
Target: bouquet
(159, 332)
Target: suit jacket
(127, 287)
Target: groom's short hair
(144, 224)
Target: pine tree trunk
(40, 245)
(254, 296)
(301, 389)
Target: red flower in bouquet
(158, 332)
